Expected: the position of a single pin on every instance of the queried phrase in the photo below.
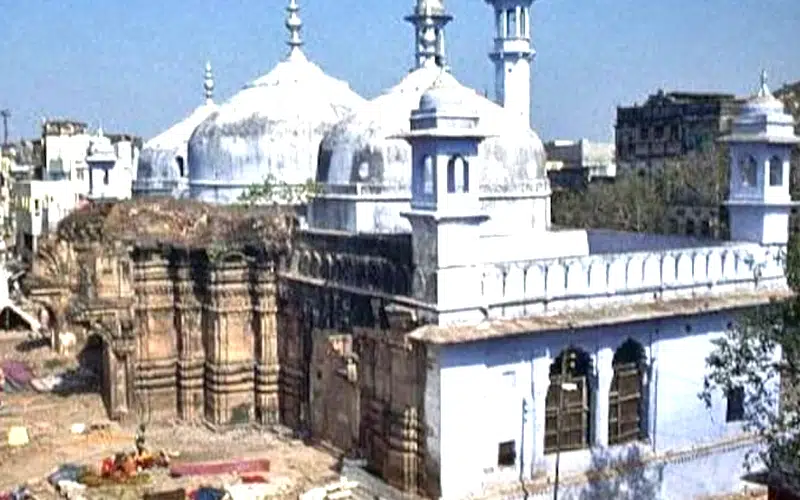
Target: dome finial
(429, 19)
(208, 83)
(763, 90)
(294, 24)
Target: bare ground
(48, 418)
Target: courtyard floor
(48, 417)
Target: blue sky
(137, 65)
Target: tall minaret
(208, 84)
(761, 142)
(512, 56)
(429, 19)
(294, 24)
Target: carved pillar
(266, 346)
(605, 372)
(402, 461)
(229, 372)
(156, 374)
(191, 355)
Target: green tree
(760, 356)
(273, 191)
(640, 201)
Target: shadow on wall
(621, 477)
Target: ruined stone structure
(184, 299)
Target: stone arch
(337, 269)
(348, 271)
(316, 265)
(402, 280)
(374, 275)
(326, 268)
(627, 399)
(304, 264)
(568, 408)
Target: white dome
(162, 161)
(363, 148)
(272, 127)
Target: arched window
(523, 23)
(457, 175)
(427, 175)
(179, 162)
(568, 414)
(748, 170)
(511, 23)
(499, 21)
(775, 171)
(626, 399)
(689, 227)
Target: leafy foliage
(761, 355)
(273, 191)
(639, 202)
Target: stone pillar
(156, 374)
(191, 355)
(605, 373)
(540, 373)
(267, 409)
(402, 460)
(229, 366)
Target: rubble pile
(187, 222)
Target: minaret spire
(294, 24)
(763, 90)
(513, 55)
(429, 19)
(208, 83)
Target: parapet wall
(530, 287)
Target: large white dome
(272, 127)
(364, 148)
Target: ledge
(587, 318)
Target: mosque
(426, 317)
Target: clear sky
(137, 65)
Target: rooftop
(180, 222)
(587, 318)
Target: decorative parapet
(520, 288)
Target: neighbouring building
(428, 320)
(669, 125)
(163, 162)
(574, 164)
(77, 167)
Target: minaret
(446, 213)
(761, 142)
(429, 19)
(512, 56)
(294, 24)
(208, 84)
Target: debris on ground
(18, 436)
(339, 490)
(218, 468)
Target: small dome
(364, 148)
(272, 127)
(163, 159)
(763, 102)
(445, 94)
(161, 169)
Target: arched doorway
(626, 400)
(568, 412)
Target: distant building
(671, 124)
(574, 164)
(73, 166)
